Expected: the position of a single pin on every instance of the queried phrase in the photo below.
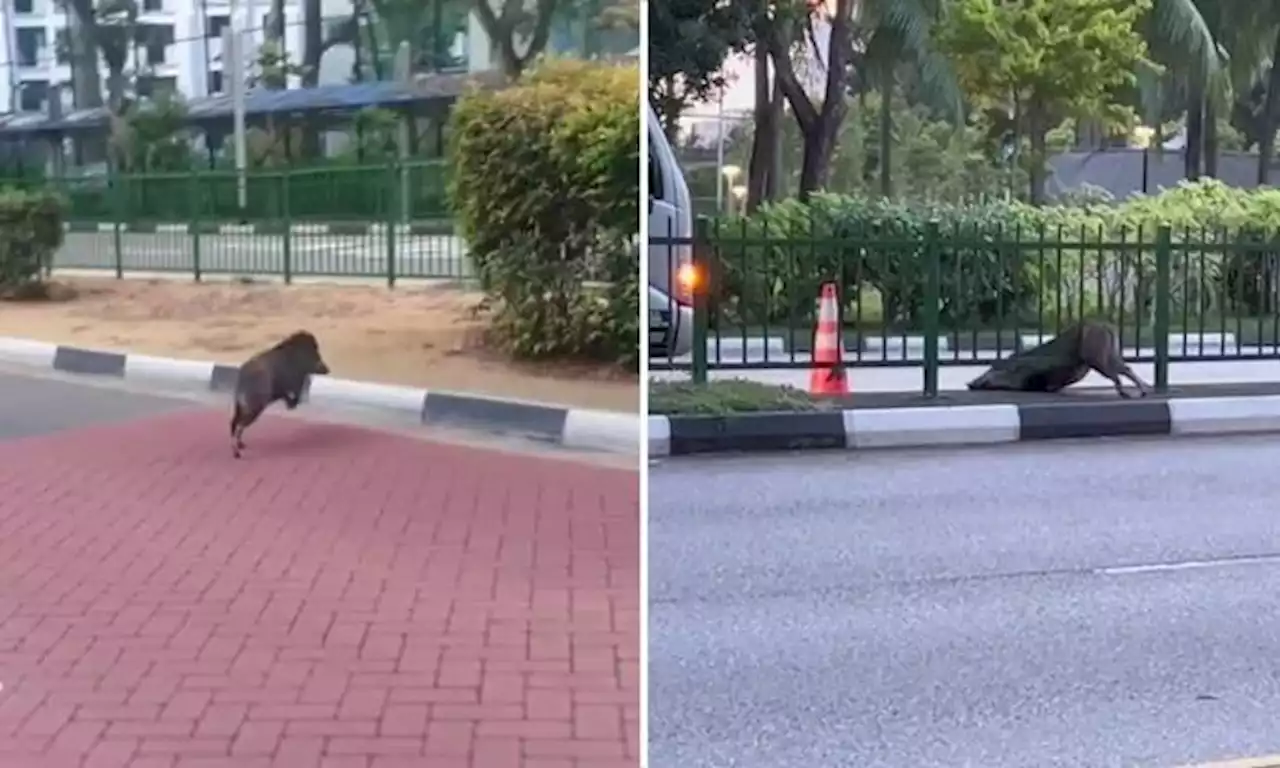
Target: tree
(116, 32)
(513, 23)
(689, 41)
(819, 122)
(1181, 42)
(1270, 113)
(1046, 60)
(895, 46)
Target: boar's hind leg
(1128, 373)
(1118, 368)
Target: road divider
(1050, 418)
(579, 429)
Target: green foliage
(1067, 57)
(1003, 262)
(688, 43)
(152, 137)
(931, 159)
(877, 244)
(1047, 60)
(544, 182)
(30, 233)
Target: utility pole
(233, 66)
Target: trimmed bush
(1001, 261)
(544, 180)
(30, 234)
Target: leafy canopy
(1061, 58)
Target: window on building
(24, 6)
(152, 6)
(31, 45)
(33, 96)
(215, 82)
(156, 41)
(216, 25)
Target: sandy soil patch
(416, 336)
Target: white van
(672, 278)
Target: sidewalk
(340, 597)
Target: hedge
(30, 233)
(1001, 262)
(544, 181)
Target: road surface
(419, 256)
(341, 596)
(1093, 603)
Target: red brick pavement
(339, 598)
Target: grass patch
(717, 398)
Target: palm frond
(1179, 32)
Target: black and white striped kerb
(905, 427)
(568, 427)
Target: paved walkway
(339, 598)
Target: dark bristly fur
(1062, 361)
(279, 373)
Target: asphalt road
(38, 405)
(1093, 603)
(416, 255)
(40, 402)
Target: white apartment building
(180, 48)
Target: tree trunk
(86, 83)
(1267, 142)
(1037, 130)
(1195, 132)
(815, 165)
(886, 133)
(774, 183)
(764, 140)
(1210, 139)
(819, 126)
(312, 50)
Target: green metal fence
(936, 297)
(387, 221)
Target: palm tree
(1181, 40)
(898, 48)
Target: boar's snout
(321, 369)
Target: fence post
(287, 215)
(392, 217)
(193, 223)
(932, 297)
(121, 203)
(1164, 259)
(701, 240)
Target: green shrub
(1003, 262)
(870, 243)
(544, 180)
(30, 234)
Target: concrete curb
(580, 429)
(919, 427)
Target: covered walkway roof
(260, 102)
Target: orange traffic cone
(828, 376)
